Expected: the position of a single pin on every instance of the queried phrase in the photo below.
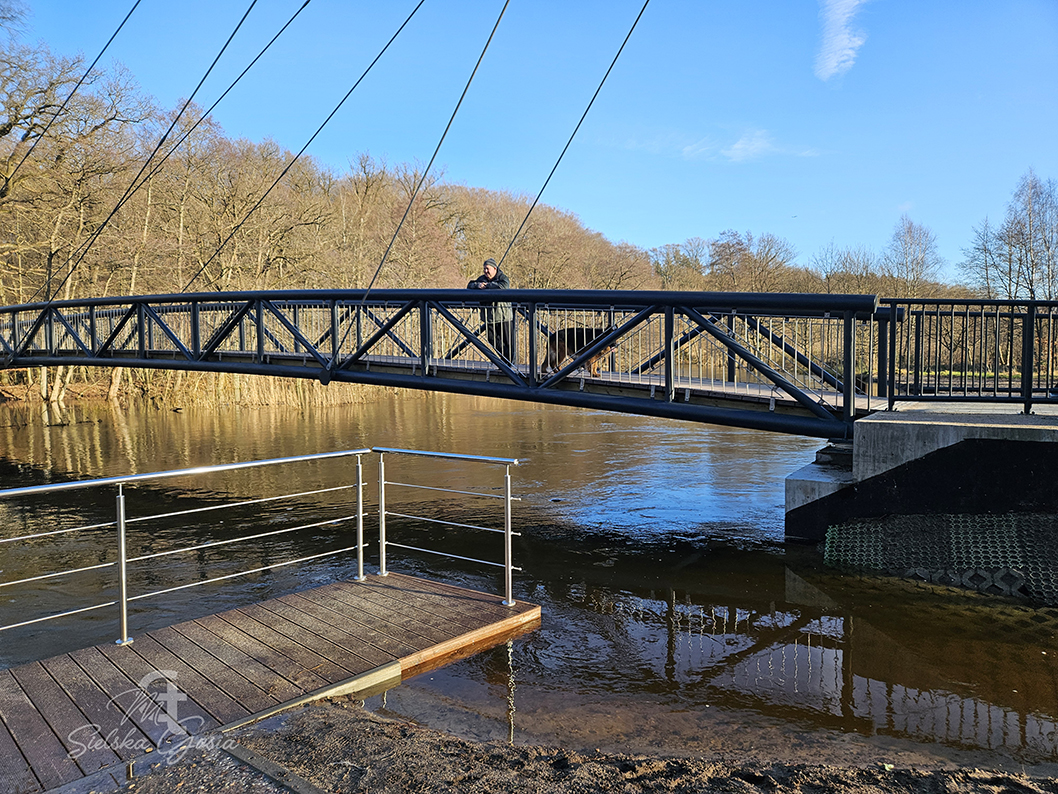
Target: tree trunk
(115, 383)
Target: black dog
(566, 342)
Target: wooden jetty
(93, 712)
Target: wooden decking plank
(143, 673)
(376, 642)
(357, 604)
(457, 599)
(368, 592)
(294, 640)
(432, 606)
(491, 602)
(47, 757)
(402, 616)
(15, 774)
(198, 688)
(386, 632)
(419, 584)
(128, 705)
(74, 730)
(363, 655)
(283, 664)
(459, 615)
(427, 612)
(266, 679)
(460, 607)
(121, 733)
(227, 680)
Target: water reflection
(674, 618)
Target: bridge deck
(93, 711)
(698, 390)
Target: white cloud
(837, 51)
(752, 145)
(704, 148)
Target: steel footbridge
(807, 364)
(778, 362)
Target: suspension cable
(302, 150)
(583, 116)
(128, 191)
(187, 133)
(422, 179)
(88, 71)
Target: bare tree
(681, 267)
(1019, 259)
(483, 223)
(746, 263)
(848, 270)
(12, 16)
(911, 262)
(623, 267)
(1031, 231)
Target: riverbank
(177, 390)
(338, 746)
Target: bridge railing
(984, 351)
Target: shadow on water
(675, 619)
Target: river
(675, 619)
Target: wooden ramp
(94, 711)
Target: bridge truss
(789, 363)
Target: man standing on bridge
(499, 316)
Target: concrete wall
(917, 463)
(886, 440)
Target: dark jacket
(502, 311)
(500, 282)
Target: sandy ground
(337, 746)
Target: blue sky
(816, 121)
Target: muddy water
(675, 619)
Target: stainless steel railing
(383, 542)
(122, 521)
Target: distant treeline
(98, 209)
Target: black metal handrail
(966, 350)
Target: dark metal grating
(1011, 554)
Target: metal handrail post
(732, 362)
(508, 556)
(670, 354)
(1028, 355)
(883, 358)
(260, 331)
(123, 591)
(531, 342)
(335, 342)
(916, 387)
(382, 515)
(848, 391)
(894, 351)
(425, 342)
(359, 520)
